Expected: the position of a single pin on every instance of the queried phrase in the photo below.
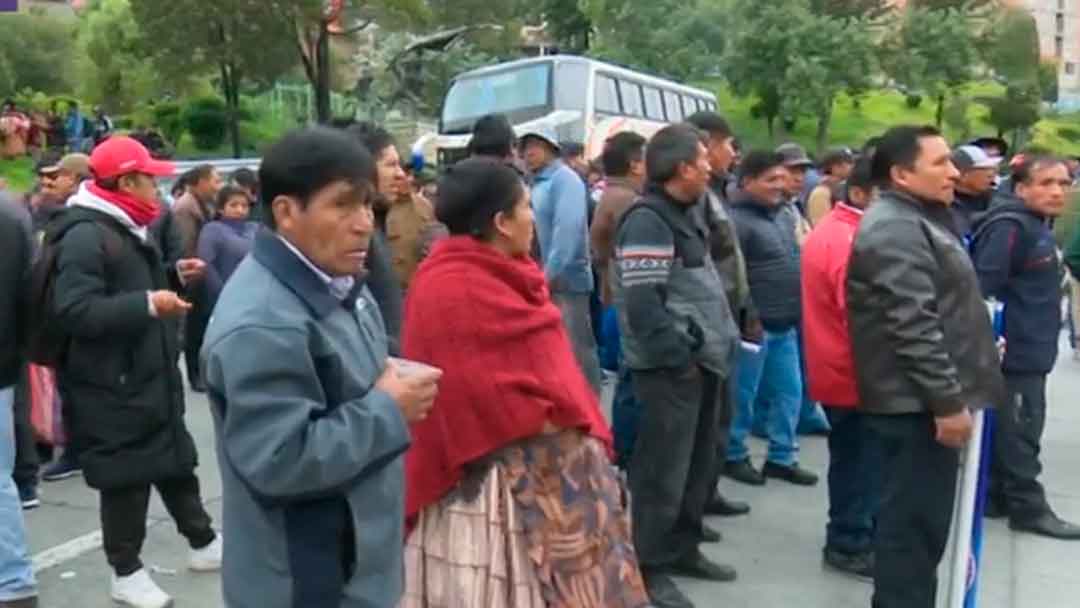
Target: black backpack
(46, 342)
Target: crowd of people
(33, 133)
(406, 388)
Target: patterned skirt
(542, 524)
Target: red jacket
(829, 364)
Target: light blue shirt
(560, 206)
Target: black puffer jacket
(767, 240)
(124, 399)
(921, 336)
(14, 281)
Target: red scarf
(488, 322)
(141, 212)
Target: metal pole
(960, 569)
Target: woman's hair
(227, 193)
(472, 192)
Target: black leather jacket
(921, 336)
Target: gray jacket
(672, 305)
(310, 452)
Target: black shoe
(1048, 525)
(719, 505)
(793, 474)
(696, 565)
(198, 386)
(663, 592)
(61, 469)
(710, 535)
(860, 565)
(745, 472)
(28, 496)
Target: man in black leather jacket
(924, 356)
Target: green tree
(686, 46)
(933, 51)
(1011, 45)
(851, 9)
(1016, 111)
(112, 68)
(821, 69)
(241, 41)
(1048, 80)
(36, 49)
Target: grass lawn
(879, 110)
(19, 173)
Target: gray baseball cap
(794, 155)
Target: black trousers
(27, 459)
(725, 404)
(674, 462)
(1017, 438)
(915, 513)
(194, 329)
(123, 519)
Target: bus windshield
(521, 94)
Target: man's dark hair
(669, 148)
(571, 149)
(899, 147)
(1026, 170)
(245, 178)
(493, 135)
(371, 136)
(227, 193)
(472, 192)
(839, 156)
(198, 173)
(304, 162)
(711, 123)
(757, 163)
(620, 151)
(861, 176)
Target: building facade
(1058, 22)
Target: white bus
(581, 99)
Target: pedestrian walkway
(777, 548)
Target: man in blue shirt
(560, 205)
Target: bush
(168, 117)
(913, 101)
(1070, 133)
(207, 120)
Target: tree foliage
(1017, 110)
(933, 51)
(851, 9)
(1011, 45)
(35, 53)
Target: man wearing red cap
(125, 397)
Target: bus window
(607, 96)
(690, 104)
(523, 93)
(654, 106)
(631, 98)
(711, 105)
(673, 106)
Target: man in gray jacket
(311, 418)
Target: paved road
(776, 549)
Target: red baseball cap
(118, 156)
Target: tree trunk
(823, 123)
(231, 88)
(940, 118)
(323, 111)
(770, 122)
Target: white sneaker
(138, 590)
(207, 559)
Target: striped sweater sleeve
(644, 254)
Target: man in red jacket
(853, 470)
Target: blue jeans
(772, 376)
(16, 574)
(855, 472)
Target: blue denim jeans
(16, 574)
(855, 472)
(772, 376)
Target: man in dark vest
(679, 340)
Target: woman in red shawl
(511, 495)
